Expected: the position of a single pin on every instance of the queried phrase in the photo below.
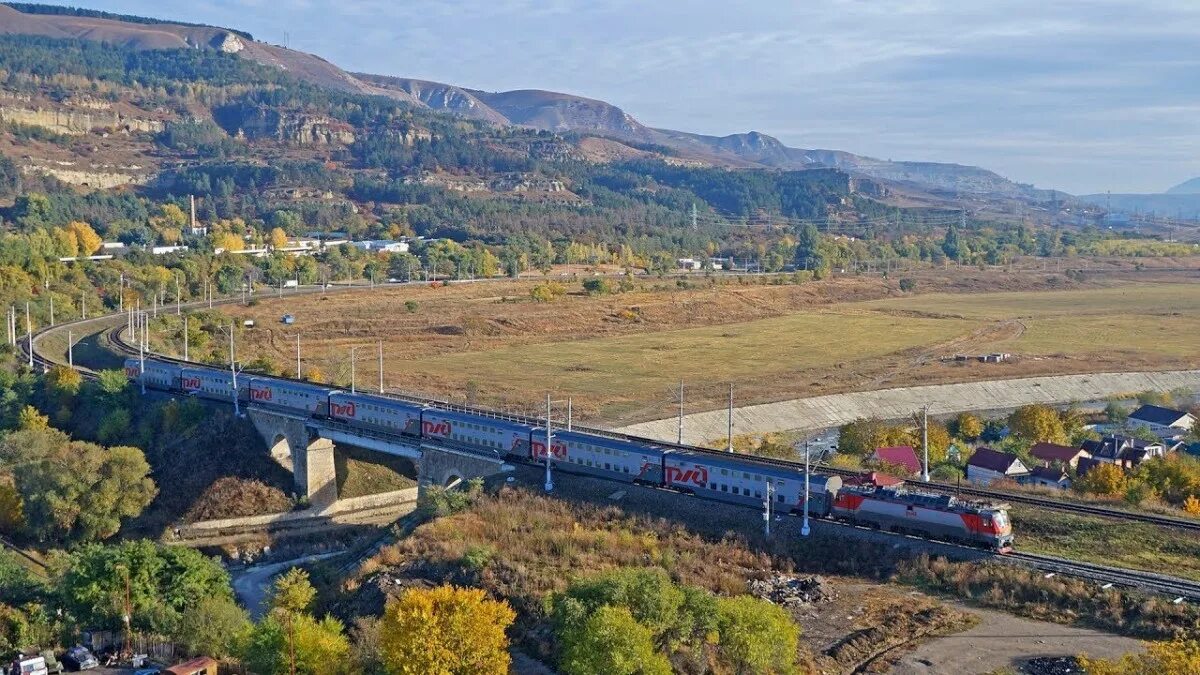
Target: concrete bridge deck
(821, 412)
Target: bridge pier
(441, 467)
(308, 456)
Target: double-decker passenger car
(312, 399)
(600, 455)
(376, 412)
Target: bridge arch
(281, 451)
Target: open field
(620, 357)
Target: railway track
(1174, 587)
(116, 338)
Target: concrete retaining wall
(383, 499)
(820, 412)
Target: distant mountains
(1182, 200)
(547, 110)
(1187, 187)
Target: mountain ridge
(533, 108)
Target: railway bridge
(304, 445)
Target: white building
(1162, 422)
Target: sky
(1083, 96)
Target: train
(739, 479)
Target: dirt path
(1005, 641)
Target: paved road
(822, 412)
(253, 583)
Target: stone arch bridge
(304, 445)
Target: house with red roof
(1050, 454)
(899, 455)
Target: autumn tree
(860, 436)
(547, 292)
(215, 627)
(611, 641)
(1036, 422)
(290, 634)
(314, 374)
(292, 592)
(457, 631)
(1103, 479)
(12, 509)
(968, 426)
(279, 238)
(85, 237)
(756, 636)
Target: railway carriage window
(745, 475)
(758, 478)
(626, 469)
(724, 472)
(758, 494)
(781, 499)
(724, 488)
(607, 466)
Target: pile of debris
(792, 592)
(1053, 665)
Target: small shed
(288, 319)
(248, 323)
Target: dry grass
(621, 357)
(362, 472)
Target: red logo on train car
(261, 394)
(696, 476)
(435, 428)
(190, 383)
(558, 450)
(132, 371)
(341, 409)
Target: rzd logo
(261, 394)
(557, 450)
(431, 428)
(696, 476)
(341, 409)
(189, 383)
(132, 371)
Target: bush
(908, 285)
(410, 306)
(547, 292)
(597, 286)
(232, 497)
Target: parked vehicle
(80, 658)
(28, 665)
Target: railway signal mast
(804, 528)
(925, 442)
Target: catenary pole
(297, 356)
(233, 372)
(29, 334)
(729, 429)
(185, 338)
(679, 436)
(352, 370)
(804, 528)
(70, 349)
(381, 366)
(925, 441)
(549, 486)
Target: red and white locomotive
(927, 514)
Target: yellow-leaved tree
(458, 631)
(279, 238)
(89, 242)
(1104, 479)
(228, 241)
(1036, 422)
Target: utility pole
(121, 294)
(83, 303)
(729, 434)
(381, 366)
(29, 334)
(297, 356)
(568, 413)
(549, 486)
(767, 510)
(178, 298)
(804, 528)
(679, 437)
(141, 353)
(925, 441)
(233, 372)
(352, 369)
(70, 349)
(128, 615)
(51, 309)
(185, 338)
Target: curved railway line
(1181, 589)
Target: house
(1125, 451)
(987, 465)
(382, 245)
(1163, 422)
(900, 455)
(1050, 454)
(1044, 476)
(689, 264)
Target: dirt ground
(487, 343)
(1005, 641)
